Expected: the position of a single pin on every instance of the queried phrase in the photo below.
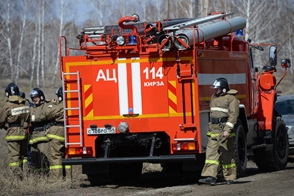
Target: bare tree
(286, 28)
(203, 7)
(62, 10)
(63, 28)
(180, 8)
(34, 57)
(34, 61)
(39, 30)
(7, 35)
(42, 43)
(25, 11)
(98, 8)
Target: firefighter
(38, 139)
(224, 112)
(56, 137)
(15, 115)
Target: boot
(208, 180)
(229, 182)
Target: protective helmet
(36, 92)
(59, 93)
(222, 84)
(11, 89)
(22, 94)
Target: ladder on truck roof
(72, 112)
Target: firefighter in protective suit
(38, 130)
(224, 112)
(15, 115)
(56, 137)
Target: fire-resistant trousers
(18, 160)
(220, 150)
(56, 154)
(57, 170)
(40, 153)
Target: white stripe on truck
(136, 84)
(122, 87)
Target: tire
(277, 158)
(240, 148)
(125, 172)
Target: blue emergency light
(132, 40)
(239, 33)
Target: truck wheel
(277, 158)
(240, 149)
(125, 172)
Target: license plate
(100, 130)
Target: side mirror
(286, 63)
(273, 55)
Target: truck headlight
(120, 40)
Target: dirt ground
(254, 183)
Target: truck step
(266, 146)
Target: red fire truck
(139, 92)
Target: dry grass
(33, 184)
